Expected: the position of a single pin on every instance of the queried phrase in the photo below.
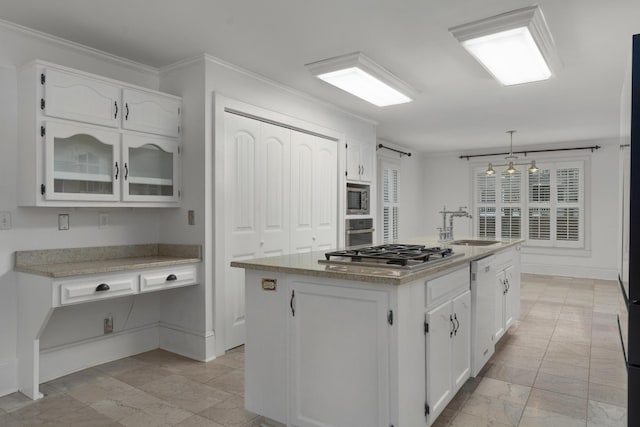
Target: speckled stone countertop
(104, 259)
(307, 264)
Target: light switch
(103, 220)
(191, 217)
(5, 220)
(63, 221)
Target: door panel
(439, 358)
(462, 340)
(302, 169)
(150, 112)
(329, 322)
(499, 307)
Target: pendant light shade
(490, 170)
(511, 169)
(533, 168)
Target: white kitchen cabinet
(360, 161)
(76, 97)
(314, 195)
(448, 342)
(507, 291)
(81, 163)
(150, 169)
(325, 323)
(151, 112)
(77, 146)
(483, 280)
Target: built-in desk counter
(53, 278)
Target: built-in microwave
(357, 199)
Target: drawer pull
(171, 278)
(102, 287)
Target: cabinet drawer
(169, 278)
(447, 286)
(86, 290)
(151, 112)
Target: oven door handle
(368, 230)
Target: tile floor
(560, 366)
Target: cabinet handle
(455, 317)
(171, 278)
(453, 326)
(115, 116)
(508, 284)
(293, 310)
(117, 170)
(102, 287)
(126, 107)
(126, 171)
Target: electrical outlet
(103, 220)
(63, 221)
(191, 217)
(5, 220)
(108, 324)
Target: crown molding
(137, 66)
(205, 57)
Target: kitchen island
(347, 345)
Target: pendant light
(512, 160)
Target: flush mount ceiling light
(512, 161)
(360, 76)
(515, 47)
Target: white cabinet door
(360, 161)
(508, 300)
(325, 323)
(151, 112)
(150, 169)
(439, 358)
(81, 163)
(313, 193)
(258, 209)
(461, 340)
(499, 306)
(354, 166)
(367, 160)
(76, 97)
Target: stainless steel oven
(359, 232)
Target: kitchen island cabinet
(335, 345)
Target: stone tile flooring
(560, 366)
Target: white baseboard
(8, 376)
(570, 271)
(65, 359)
(189, 343)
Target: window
(546, 207)
(390, 183)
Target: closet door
(257, 208)
(313, 193)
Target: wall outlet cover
(5, 220)
(63, 221)
(103, 220)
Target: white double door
(281, 197)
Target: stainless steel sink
(471, 242)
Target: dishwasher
(483, 282)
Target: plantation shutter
(390, 201)
(510, 213)
(569, 210)
(540, 205)
(485, 204)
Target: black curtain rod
(402, 153)
(592, 148)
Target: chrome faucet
(446, 233)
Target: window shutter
(510, 186)
(486, 186)
(539, 223)
(510, 223)
(386, 224)
(487, 222)
(390, 201)
(540, 186)
(568, 185)
(568, 224)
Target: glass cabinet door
(151, 169)
(82, 163)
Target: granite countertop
(104, 259)
(307, 264)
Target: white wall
(36, 228)
(447, 181)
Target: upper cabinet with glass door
(86, 140)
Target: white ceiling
(460, 107)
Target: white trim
(570, 271)
(205, 57)
(72, 357)
(77, 46)
(186, 342)
(8, 376)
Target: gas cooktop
(406, 257)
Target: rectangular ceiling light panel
(515, 47)
(360, 76)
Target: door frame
(218, 217)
